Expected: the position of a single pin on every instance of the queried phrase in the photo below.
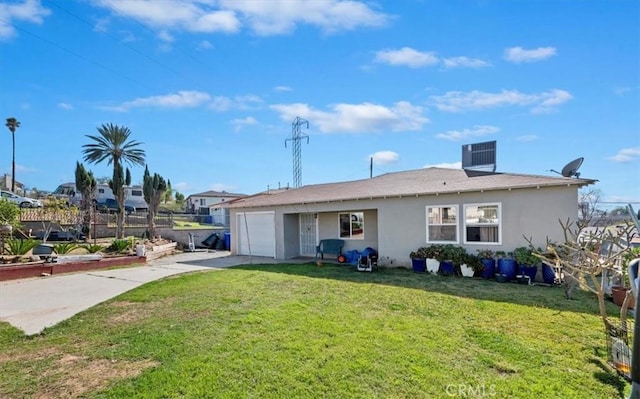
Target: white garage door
(257, 234)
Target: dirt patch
(74, 376)
(130, 312)
(20, 356)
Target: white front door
(308, 233)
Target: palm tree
(13, 124)
(114, 146)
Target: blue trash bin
(227, 241)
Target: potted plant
(451, 258)
(527, 263)
(418, 260)
(434, 254)
(472, 266)
(619, 292)
(488, 259)
(506, 267)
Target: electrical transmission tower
(296, 137)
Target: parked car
(23, 202)
(58, 235)
(110, 205)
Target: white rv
(134, 196)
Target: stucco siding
(396, 226)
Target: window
(482, 223)
(442, 224)
(136, 193)
(203, 202)
(352, 225)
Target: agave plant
(65, 248)
(20, 247)
(119, 245)
(92, 248)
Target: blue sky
(211, 87)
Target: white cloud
(527, 138)
(456, 101)
(621, 90)
(204, 45)
(465, 62)
(192, 16)
(452, 165)
(101, 25)
(476, 131)
(274, 17)
(165, 36)
(223, 103)
(626, 155)
(518, 54)
(29, 11)
(278, 17)
(181, 99)
(65, 106)
(384, 157)
(406, 56)
(282, 88)
(357, 118)
(242, 122)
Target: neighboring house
(5, 184)
(398, 212)
(210, 203)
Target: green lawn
(302, 331)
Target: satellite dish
(571, 169)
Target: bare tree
(588, 201)
(584, 256)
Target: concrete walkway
(36, 303)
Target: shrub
(474, 262)
(524, 256)
(9, 213)
(486, 254)
(429, 252)
(454, 253)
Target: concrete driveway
(36, 303)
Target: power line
(115, 39)
(82, 57)
(145, 27)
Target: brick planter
(37, 269)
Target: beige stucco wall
(396, 226)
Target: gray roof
(425, 181)
(212, 193)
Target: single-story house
(396, 213)
(203, 203)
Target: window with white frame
(483, 223)
(442, 223)
(352, 225)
